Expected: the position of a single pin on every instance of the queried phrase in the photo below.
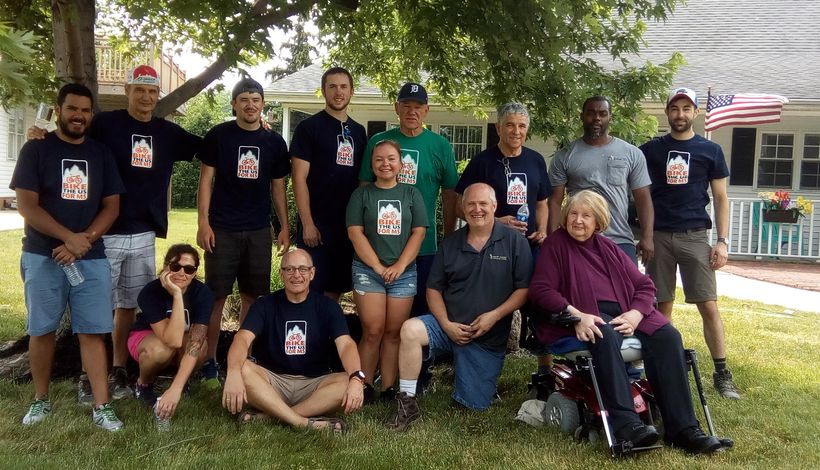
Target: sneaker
(388, 394)
(210, 374)
(39, 410)
(724, 384)
(639, 434)
(145, 393)
(84, 395)
(407, 411)
(694, 441)
(105, 418)
(118, 383)
(369, 394)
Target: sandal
(251, 415)
(336, 425)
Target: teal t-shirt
(388, 216)
(428, 164)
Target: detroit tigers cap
(247, 85)
(412, 92)
(687, 93)
(142, 75)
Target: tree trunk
(74, 54)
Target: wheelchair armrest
(562, 318)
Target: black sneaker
(145, 394)
(639, 434)
(388, 394)
(369, 394)
(724, 384)
(694, 441)
(84, 395)
(118, 383)
(407, 411)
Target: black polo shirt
(473, 282)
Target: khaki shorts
(690, 250)
(294, 388)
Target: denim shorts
(47, 293)
(476, 367)
(365, 280)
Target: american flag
(743, 109)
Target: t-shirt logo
(75, 180)
(296, 338)
(409, 166)
(248, 166)
(389, 219)
(142, 151)
(344, 151)
(516, 189)
(677, 167)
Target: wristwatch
(723, 240)
(358, 375)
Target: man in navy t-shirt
(683, 167)
(243, 167)
(67, 189)
(294, 333)
(327, 151)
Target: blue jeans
(476, 367)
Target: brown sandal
(336, 425)
(251, 415)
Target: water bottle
(162, 424)
(75, 277)
(523, 213)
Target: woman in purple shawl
(587, 275)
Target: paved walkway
(795, 286)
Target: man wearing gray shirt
(610, 167)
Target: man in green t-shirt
(428, 164)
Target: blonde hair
(596, 203)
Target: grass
(773, 357)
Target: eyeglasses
(175, 267)
(346, 131)
(290, 270)
(507, 170)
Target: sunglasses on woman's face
(174, 267)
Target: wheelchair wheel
(563, 413)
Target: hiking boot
(38, 411)
(84, 395)
(105, 418)
(118, 383)
(145, 393)
(724, 384)
(388, 394)
(210, 374)
(407, 411)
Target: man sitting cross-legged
(171, 327)
(298, 330)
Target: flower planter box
(783, 217)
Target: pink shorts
(134, 340)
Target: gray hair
(511, 108)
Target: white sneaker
(38, 411)
(104, 417)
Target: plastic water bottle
(75, 277)
(523, 213)
(162, 424)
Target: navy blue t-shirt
(71, 181)
(296, 339)
(145, 153)
(335, 151)
(527, 181)
(681, 171)
(245, 163)
(155, 305)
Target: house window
(17, 133)
(774, 169)
(810, 166)
(466, 140)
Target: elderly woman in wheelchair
(599, 297)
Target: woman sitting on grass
(386, 222)
(171, 327)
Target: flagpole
(708, 134)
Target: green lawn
(775, 425)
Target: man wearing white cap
(683, 167)
(145, 148)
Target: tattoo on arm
(198, 335)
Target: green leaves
(16, 55)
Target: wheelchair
(573, 398)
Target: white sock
(408, 387)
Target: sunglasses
(175, 267)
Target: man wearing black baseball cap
(243, 167)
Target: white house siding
(7, 162)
